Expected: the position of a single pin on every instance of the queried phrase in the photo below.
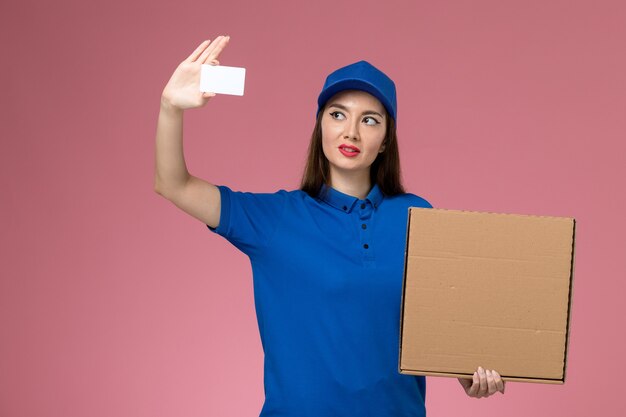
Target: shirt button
(345, 208)
(363, 205)
(364, 226)
(366, 246)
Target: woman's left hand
(483, 384)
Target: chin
(349, 168)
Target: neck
(356, 184)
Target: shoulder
(409, 200)
(272, 195)
(273, 200)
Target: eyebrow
(341, 106)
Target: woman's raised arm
(193, 195)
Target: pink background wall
(115, 303)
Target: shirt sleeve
(248, 220)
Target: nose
(352, 130)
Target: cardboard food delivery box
(486, 289)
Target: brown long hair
(384, 171)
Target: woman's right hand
(183, 89)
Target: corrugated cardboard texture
(486, 289)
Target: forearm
(170, 168)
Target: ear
(382, 148)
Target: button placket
(365, 214)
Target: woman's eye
(371, 121)
(337, 115)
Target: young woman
(327, 259)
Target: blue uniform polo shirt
(327, 276)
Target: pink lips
(349, 150)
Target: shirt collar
(345, 202)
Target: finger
(213, 53)
(491, 383)
(219, 47)
(214, 62)
(207, 94)
(473, 391)
(482, 376)
(465, 383)
(499, 381)
(207, 51)
(195, 54)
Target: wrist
(169, 108)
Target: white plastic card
(222, 80)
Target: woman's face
(353, 131)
